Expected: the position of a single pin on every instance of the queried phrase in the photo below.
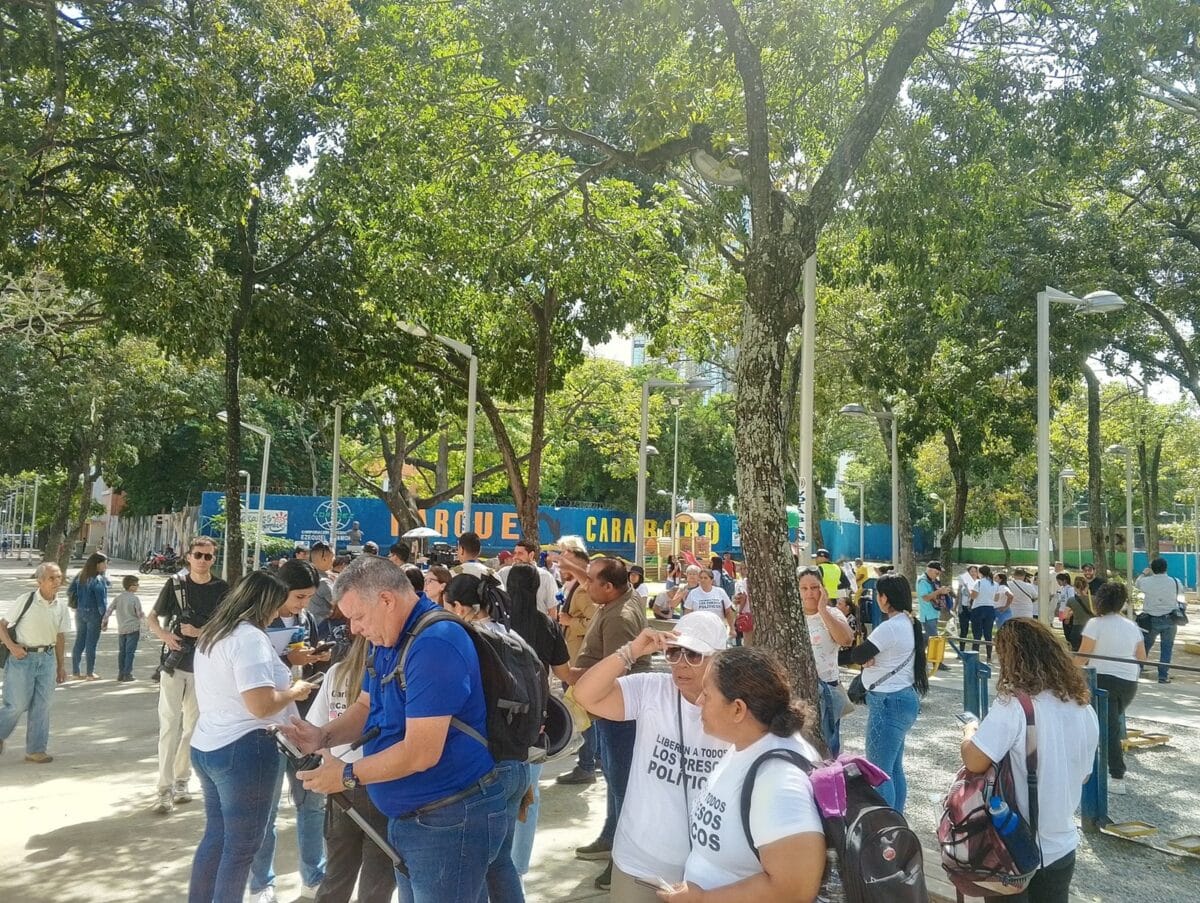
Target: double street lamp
(858, 410)
(1095, 303)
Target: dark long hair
(480, 593)
(523, 613)
(899, 598)
(758, 678)
(297, 573)
(91, 567)
(256, 599)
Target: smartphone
(656, 884)
(965, 718)
(287, 745)
(315, 680)
(323, 646)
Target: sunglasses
(206, 556)
(675, 653)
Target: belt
(37, 648)
(470, 790)
(830, 683)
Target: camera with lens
(175, 657)
(442, 553)
(301, 761)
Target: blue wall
(841, 539)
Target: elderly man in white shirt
(34, 632)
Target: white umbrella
(422, 533)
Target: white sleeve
(547, 588)
(782, 804)
(318, 712)
(635, 691)
(726, 602)
(64, 616)
(253, 660)
(1000, 729)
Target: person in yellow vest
(831, 575)
(861, 573)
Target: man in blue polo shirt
(436, 785)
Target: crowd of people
(363, 686)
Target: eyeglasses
(676, 653)
(206, 556)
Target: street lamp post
(245, 475)
(639, 549)
(885, 416)
(1067, 473)
(1127, 454)
(1094, 303)
(933, 496)
(262, 484)
(676, 403)
(463, 350)
(1195, 516)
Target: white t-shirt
(824, 647)
(714, 599)
(782, 806)
(331, 702)
(651, 839)
(985, 594)
(894, 640)
(642, 590)
(1024, 599)
(1161, 593)
(1066, 739)
(1117, 636)
(244, 660)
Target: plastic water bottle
(832, 890)
(1022, 846)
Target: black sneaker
(576, 776)
(597, 849)
(604, 882)
(943, 667)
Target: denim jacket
(91, 596)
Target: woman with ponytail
(895, 676)
(747, 701)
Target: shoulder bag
(12, 630)
(858, 690)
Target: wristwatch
(349, 781)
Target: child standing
(128, 608)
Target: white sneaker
(166, 802)
(181, 793)
(308, 891)
(266, 895)
(1117, 786)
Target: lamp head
(935, 497)
(1117, 450)
(854, 409)
(1067, 473)
(1101, 302)
(651, 450)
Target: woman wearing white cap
(672, 756)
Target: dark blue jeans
(448, 851)
(616, 750)
(87, 635)
(128, 643)
(1162, 626)
(982, 620)
(831, 723)
(503, 882)
(587, 752)
(238, 782)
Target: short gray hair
(44, 568)
(370, 575)
(694, 569)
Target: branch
(455, 490)
(856, 140)
(288, 260)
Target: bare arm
(598, 691)
(263, 702)
(792, 870)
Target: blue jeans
(310, 834)
(522, 848)
(127, 646)
(983, 619)
(831, 724)
(448, 851)
(890, 716)
(29, 687)
(87, 635)
(616, 751)
(587, 752)
(1162, 626)
(238, 781)
(503, 882)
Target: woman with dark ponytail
(895, 676)
(747, 701)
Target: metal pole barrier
(983, 673)
(1093, 806)
(971, 682)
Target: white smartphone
(965, 718)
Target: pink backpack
(979, 861)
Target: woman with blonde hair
(1035, 667)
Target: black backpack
(878, 856)
(514, 683)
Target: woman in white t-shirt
(828, 633)
(747, 702)
(895, 676)
(983, 608)
(1033, 663)
(1111, 633)
(242, 690)
(351, 855)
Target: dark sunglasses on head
(207, 556)
(675, 653)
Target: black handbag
(858, 691)
(1179, 616)
(12, 630)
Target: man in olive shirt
(620, 617)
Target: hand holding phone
(965, 718)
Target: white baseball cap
(700, 631)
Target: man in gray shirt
(1160, 601)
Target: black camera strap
(181, 600)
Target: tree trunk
(75, 533)
(1004, 543)
(441, 475)
(233, 452)
(958, 516)
(543, 318)
(761, 504)
(1096, 525)
(908, 557)
(1149, 459)
(56, 548)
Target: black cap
(935, 565)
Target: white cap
(701, 631)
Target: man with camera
(184, 605)
(437, 784)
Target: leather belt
(37, 648)
(472, 789)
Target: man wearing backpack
(436, 783)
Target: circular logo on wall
(323, 516)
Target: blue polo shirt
(442, 673)
(924, 587)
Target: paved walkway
(80, 830)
